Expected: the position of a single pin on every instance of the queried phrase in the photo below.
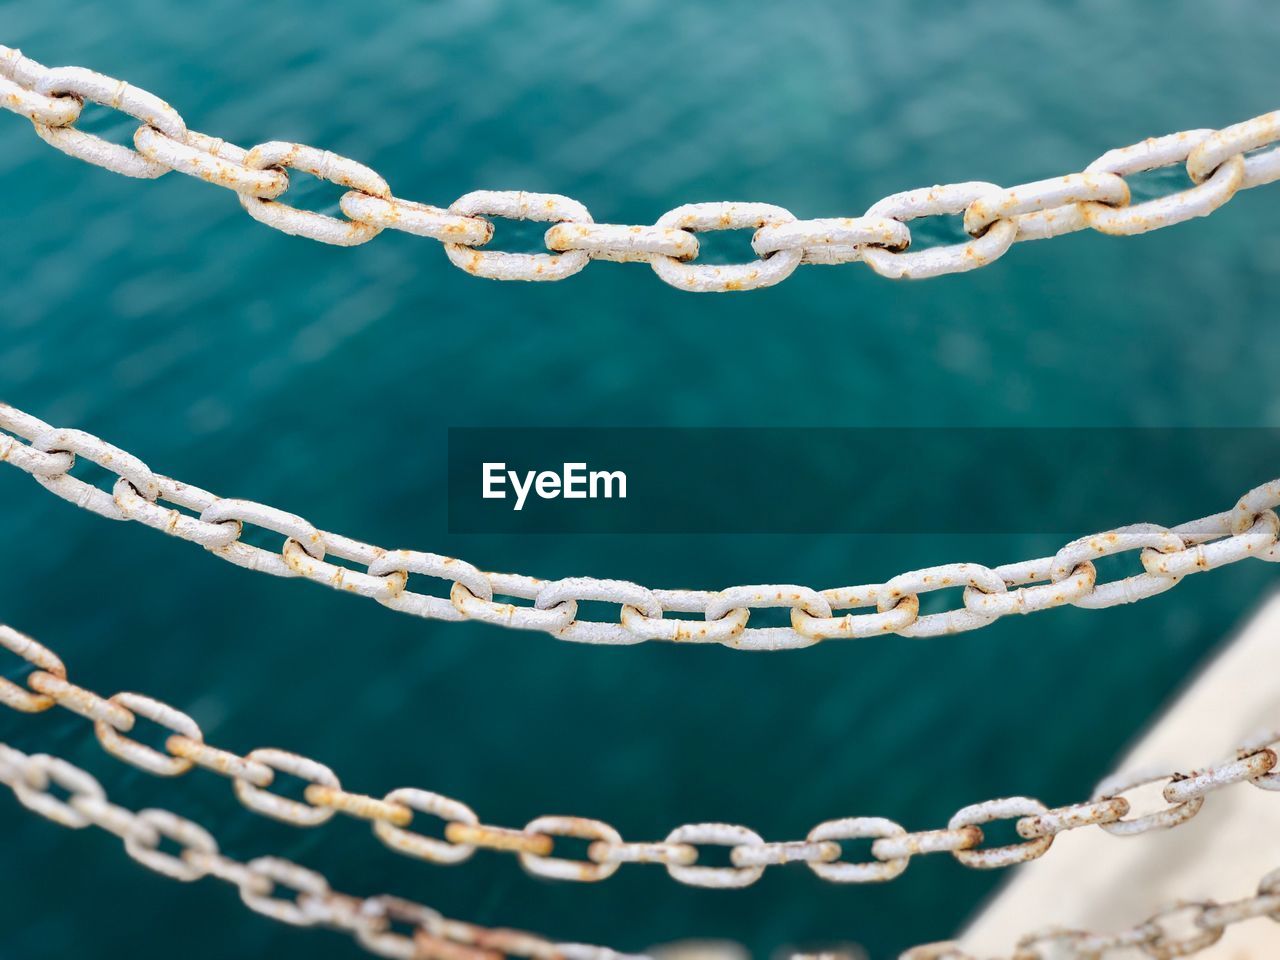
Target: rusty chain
(1219, 163)
(398, 929)
(384, 926)
(1250, 529)
(1181, 929)
(393, 815)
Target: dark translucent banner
(776, 480)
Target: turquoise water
(157, 315)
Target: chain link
(390, 927)
(397, 817)
(1249, 530)
(1219, 164)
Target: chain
(1181, 929)
(399, 929)
(462, 833)
(1250, 529)
(384, 926)
(1219, 164)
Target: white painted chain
(396, 817)
(1250, 529)
(384, 926)
(1219, 163)
(398, 929)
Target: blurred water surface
(157, 315)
